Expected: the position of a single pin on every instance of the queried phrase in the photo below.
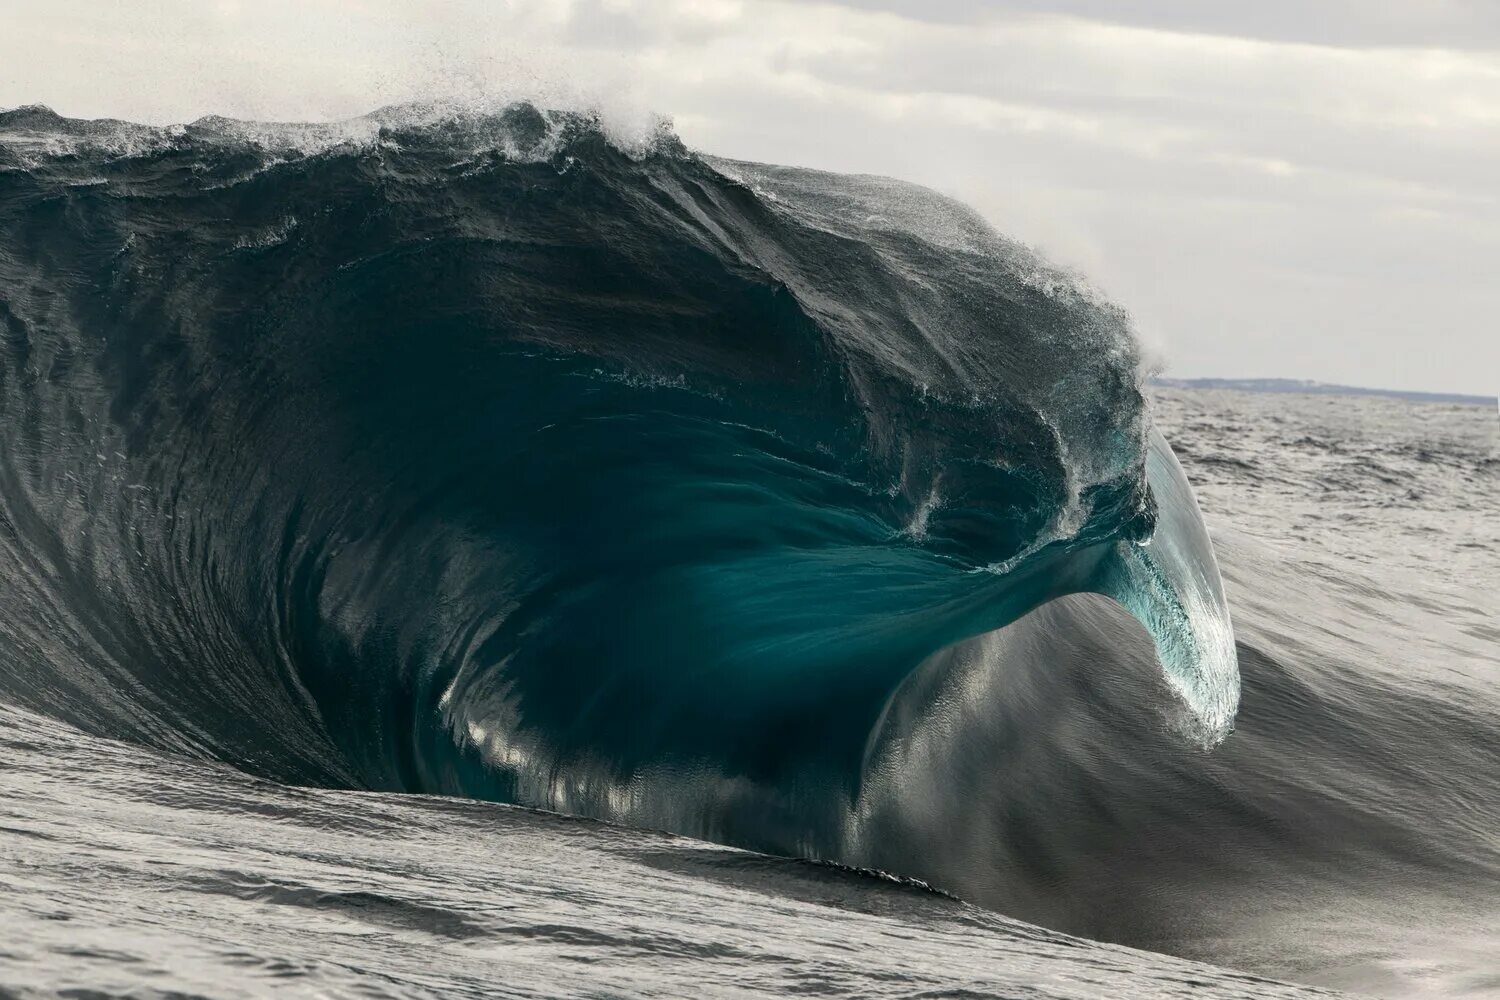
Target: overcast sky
(1308, 188)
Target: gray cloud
(1453, 24)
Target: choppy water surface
(129, 873)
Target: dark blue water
(487, 456)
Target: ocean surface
(457, 553)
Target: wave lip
(478, 454)
(1171, 584)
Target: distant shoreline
(1308, 387)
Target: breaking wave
(482, 454)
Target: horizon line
(1316, 387)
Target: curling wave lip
(481, 454)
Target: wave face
(483, 455)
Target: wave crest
(484, 455)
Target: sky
(1298, 188)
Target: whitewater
(354, 473)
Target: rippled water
(1381, 483)
(130, 873)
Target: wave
(484, 455)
